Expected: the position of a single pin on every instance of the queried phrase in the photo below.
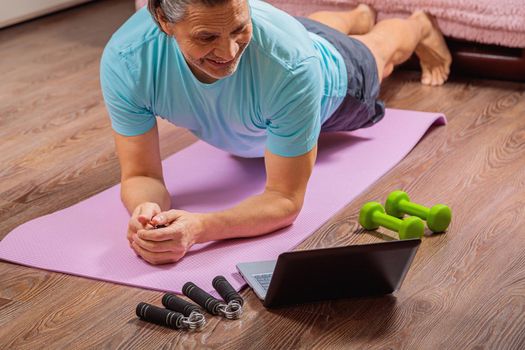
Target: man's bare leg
(357, 21)
(393, 41)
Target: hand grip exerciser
(212, 305)
(160, 316)
(193, 313)
(226, 291)
(202, 298)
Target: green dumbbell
(438, 217)
(373, 215)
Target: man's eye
(240, 30)
(207, 39)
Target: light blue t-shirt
(288, 82)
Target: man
(251, 80)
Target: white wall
(14, 11)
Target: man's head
(212, 34)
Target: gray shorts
(360, 107)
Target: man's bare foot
(434, 56)
(364, 21)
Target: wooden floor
(466, 288)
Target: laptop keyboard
(263, 279)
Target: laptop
(331, 273)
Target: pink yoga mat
(88, 239)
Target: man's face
(212, 39)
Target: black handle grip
(225, 289)
(174, 303)
(160, 316)
(202, 298)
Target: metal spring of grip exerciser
(226, 291)
(167, 318)
(231, 310)
(194, 316)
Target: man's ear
(166, 26)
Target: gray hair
(173, 11)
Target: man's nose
(227, 50)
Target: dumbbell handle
(414, 209)
(390, 222)
(202, 298)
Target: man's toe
(426, 76)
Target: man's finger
(153, 246)
(134, 224)
(147, 212)
(156, 258)
(143, 220)
(133, 248)
(133, 227)
(165, 217)
(160, 234)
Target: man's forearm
(254, 216)
(139, 189)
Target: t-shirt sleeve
(293, 111)
(124, 101)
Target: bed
(486, 37)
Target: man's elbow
(293, 208)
